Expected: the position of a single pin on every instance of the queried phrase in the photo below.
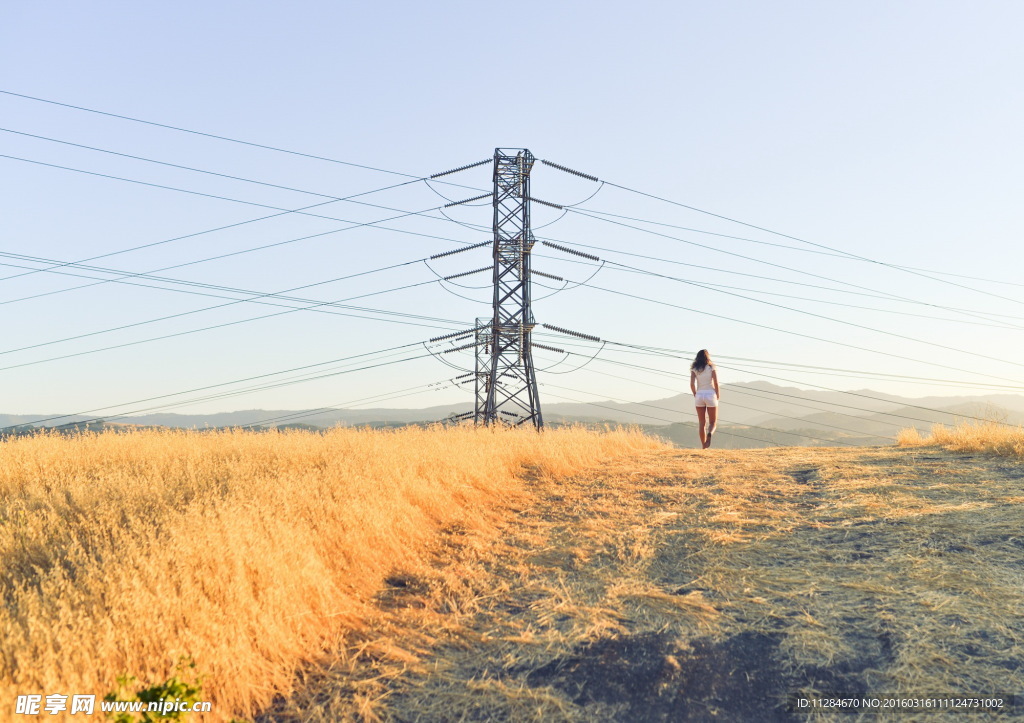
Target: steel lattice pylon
(511, 389)
(482, 338)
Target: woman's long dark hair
(702, 361)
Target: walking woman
(704, 385)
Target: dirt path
(685, 586)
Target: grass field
(472, 575)
(991, 437)
(251, 553)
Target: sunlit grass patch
(983, 437)
(252, 553)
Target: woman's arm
(714, 383)
(693, 383)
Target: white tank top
(704, 379)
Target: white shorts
(706, 398)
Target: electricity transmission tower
(481, 371)
(511, 388)
(505, 380)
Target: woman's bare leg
(713, 419)
(701, 420)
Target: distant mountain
(887, 424)
(266, 417)
(758, 412)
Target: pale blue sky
(889, 130)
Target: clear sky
(886, 130)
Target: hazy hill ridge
(765, 406)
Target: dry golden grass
(877, 572)
(469, 574)
(252, 553)
(986, 437)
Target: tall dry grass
(249, 552)
(984, 437)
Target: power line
(761, 261)
(227, 395)
(733, 388)
(195, 284)
(416, 213)
(718, 431)
(837, 251)
(724, 421)
(716, 287)
(287, 381)
(868, 396)
(785, 281)
(814, 244)
(176, 238)
(235, 381)
(740, 406)
(338, 406)
(1002, 325)
(830, 389)
(208, 328)
(402, 214)
(624, 266)
(275, 385)
(863, 374)
(172, 165)
(222, 138)
(368, 224)
(865, 291)
(787, 331)
(747, 392)
(989, 316)
(842, 255)
(439, 219)
(213, 195)
(233, 302)
(311, 305)
(817, 316)
(348, 199)
(672, 353)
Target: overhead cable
(223, 384)
(848, 254)
(214, 136)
